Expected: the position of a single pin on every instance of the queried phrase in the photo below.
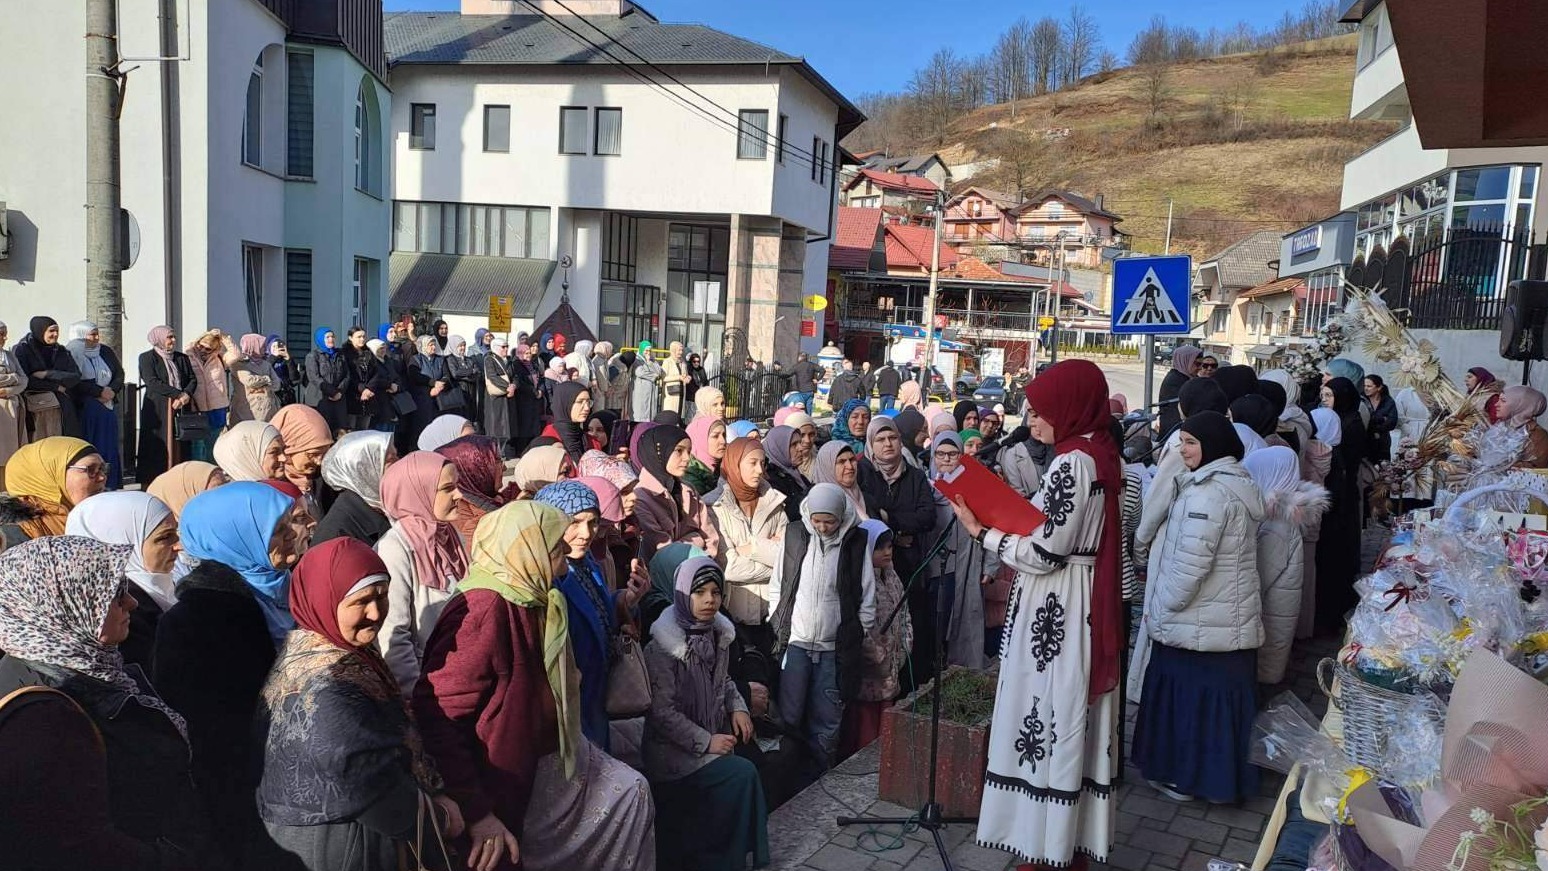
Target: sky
(861, 53)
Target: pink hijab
(408, 498)
(609, 500)
(699, 433)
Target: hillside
(1236, 141)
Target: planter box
(905, 758)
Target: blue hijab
(841, 426)
(319, 337)
(591, 611)
(232, 525)
(381, 331)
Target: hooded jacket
(675, 746)
(1207, 596)
(1287, 515)
(664, 520)
(846, 386)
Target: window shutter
(298, 300)
(299, 114)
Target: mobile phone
(618, 439)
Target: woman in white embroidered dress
(1048, 793)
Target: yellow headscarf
(36, 474)
(510, 558)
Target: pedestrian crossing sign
(1150, 295)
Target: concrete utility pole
(104, 278)
(929, 308)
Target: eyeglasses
(99, 472)
(947, 455)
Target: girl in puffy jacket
(1204, 615)
(1291, 507)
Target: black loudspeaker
(1523, 320)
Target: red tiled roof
(974, 269)
(855, 239)
(912, 184)
(909, 248)
(1283, 285)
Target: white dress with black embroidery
(1048, 791)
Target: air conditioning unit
(5, 236)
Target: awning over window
(1264, 351)
(462, 284)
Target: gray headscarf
(356, 463)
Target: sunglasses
(1209, 365)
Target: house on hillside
(516, 138)
(1054, 219)
(981, 220)
(255, 172)
(1449, 209)
(928, 166)
(1218, 283)
(904, 195)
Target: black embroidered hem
(1084, 553)
(1046, 793)
(1039, 860)
(1050, 558)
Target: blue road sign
(1150, 295)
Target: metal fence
(1452, 282)
(755, 397)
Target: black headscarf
(1346, 398)
(1237, 381)
(1275, 394)
(608, 418)
(571, 434)
(1257, 413)
(656, 445)
(668, 418)
(440, 340)
(38, 326)
(1216, 436)
(909, 422)
(627, 358)
(1202, 394)
(960, 412)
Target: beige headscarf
(540, 467)
(239, 450)
(177, 485)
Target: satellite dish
(566, 261)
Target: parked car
(991, 391)
(1163, 351)
(967, 382)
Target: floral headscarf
(595, 464)
(55, 593)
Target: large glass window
(696, 254)
(465, 228)
(620, 247)
(752, 133)
(252, 120)
(368, 126)
(1489, 198)
(298, 114)
(252, 281)
(1324, 299)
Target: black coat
(851, 634)
(88, 388)
(368, 373)
(156, 392)
(351, 517)
(59, 371)
(909, 504)
(498, 410)
(139, 647)
(213, 653)
(794, 489)
(1171, 387)
(888, 381)
(805, 374)
(846, 386)
(527, 404)
(1378, 434)
(151, 797)
(327, 375)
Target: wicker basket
(1369, 711)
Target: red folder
(992, 500)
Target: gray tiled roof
(1245, 262)
(457, 284)
(452, 38)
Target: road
(1128, 379)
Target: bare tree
(1082, 36)
(974, 87)
(1107, 61)
(1026, 161)
(1157, 85)
(1152, 45)
(1011, 62)
(935, 93)
(1047, 46)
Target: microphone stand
(931, 817)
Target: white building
(254, 165)
(653, 156)
(1492, 199)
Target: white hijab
(88, 360)
(1329, 430)
(1274, 469)
(442, 431)
(127, 517)
(1251, 441)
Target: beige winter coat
(254, 397)
(751, 546)
(412, 609)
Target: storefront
(1318, 254)
(1496, 199)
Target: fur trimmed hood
(673, 639)
(1301, 507)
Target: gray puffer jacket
(675, 746)
(1207, 596)
(1281, 570)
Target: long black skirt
(1194, 729)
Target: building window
(1218, 319)
(779, 141)
(1324, 299)
(620, 247)
(252, 283)
(363, 283)
(752, 134)
(1054, 209)
(497, 129)
(572, 130)
(298, 299)
(422, 126)
(252, 121)
(816, 164)
(609, 132)
(299, 113)
(822, 163)
(464, 228)
(368, 137)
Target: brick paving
(1154, 832)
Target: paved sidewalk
(1153, 831)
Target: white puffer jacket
(1287, 514)
(1206, 596)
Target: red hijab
(323, 579)
(1072, 396)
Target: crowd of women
(571, 624)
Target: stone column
(758, 292)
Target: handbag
(37, 402)
(414, 857)
(491, 389)
(191, 426)
(403, 403)
(628, 681)
(451, 399)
